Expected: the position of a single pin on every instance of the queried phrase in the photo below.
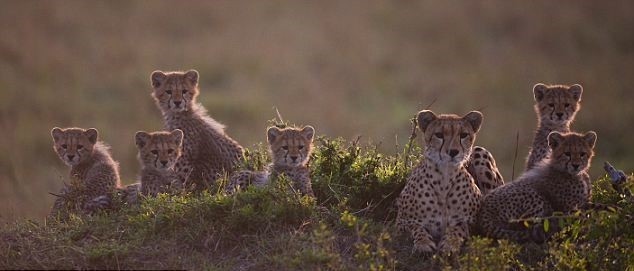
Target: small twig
(411, 140)
(59, 196)
(432, 103)
(517, 143)
(279, 116)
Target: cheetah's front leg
(422, 240)
(454, 236)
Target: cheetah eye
(168, 92)
(64, 146)
(463, 135)
(285, 148)
(567, 154)
(170, 151)
(438, 135)
(184, 91)
(155, 152)
(583, 154)
(567, 105)
(551, 105)
(79, 147)
(300, 147)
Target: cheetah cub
(559, 183)
(290, 150)
(207, 151)
(556, 107)
(93, 172)
(158, 153)
(440, 198)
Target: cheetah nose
(453, 153)
(164, 162)
(177, 104)
(70, 156)
(294, 158)
(575, 166)
(560, 115)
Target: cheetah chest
(440, 197)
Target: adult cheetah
(440, 199)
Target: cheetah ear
(272, 133)
(576, 91)
(424, 118)
(555, 139)
(92, 135)
(158, 77)
(57, 133)
(141, 139)
(590, 138)
(178, 134)
(308, 132)
(192, 76)
(474, 118)
(539, 90)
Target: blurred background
(349, 68)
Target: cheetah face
(74, 145)
(175, 91)
(159, 150)
(572, 152)
(448, 138)
(557, 104)
(290, 146)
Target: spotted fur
(91, 167)
(208, 151)
(290, 150)
(484, 170)
(559, 183)
(440, 199)
(556, 107)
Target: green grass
(349, 227)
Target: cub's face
(557, 105)
(572, 152)
(159, 150)
(448, 138)
(74, 145)
(290, 146)
(175, 91)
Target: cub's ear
(178, 134)
(192, 76)
(539, 90)
(555, 139)
(474, 118)
(308, 132)
(141, 139)
(576, 91)
(590, 138)
(57, 133)
(424, 118)
(92, 134)
(272, 133)
(158, 78)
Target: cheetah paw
(425, 247)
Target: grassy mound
(349, 226)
